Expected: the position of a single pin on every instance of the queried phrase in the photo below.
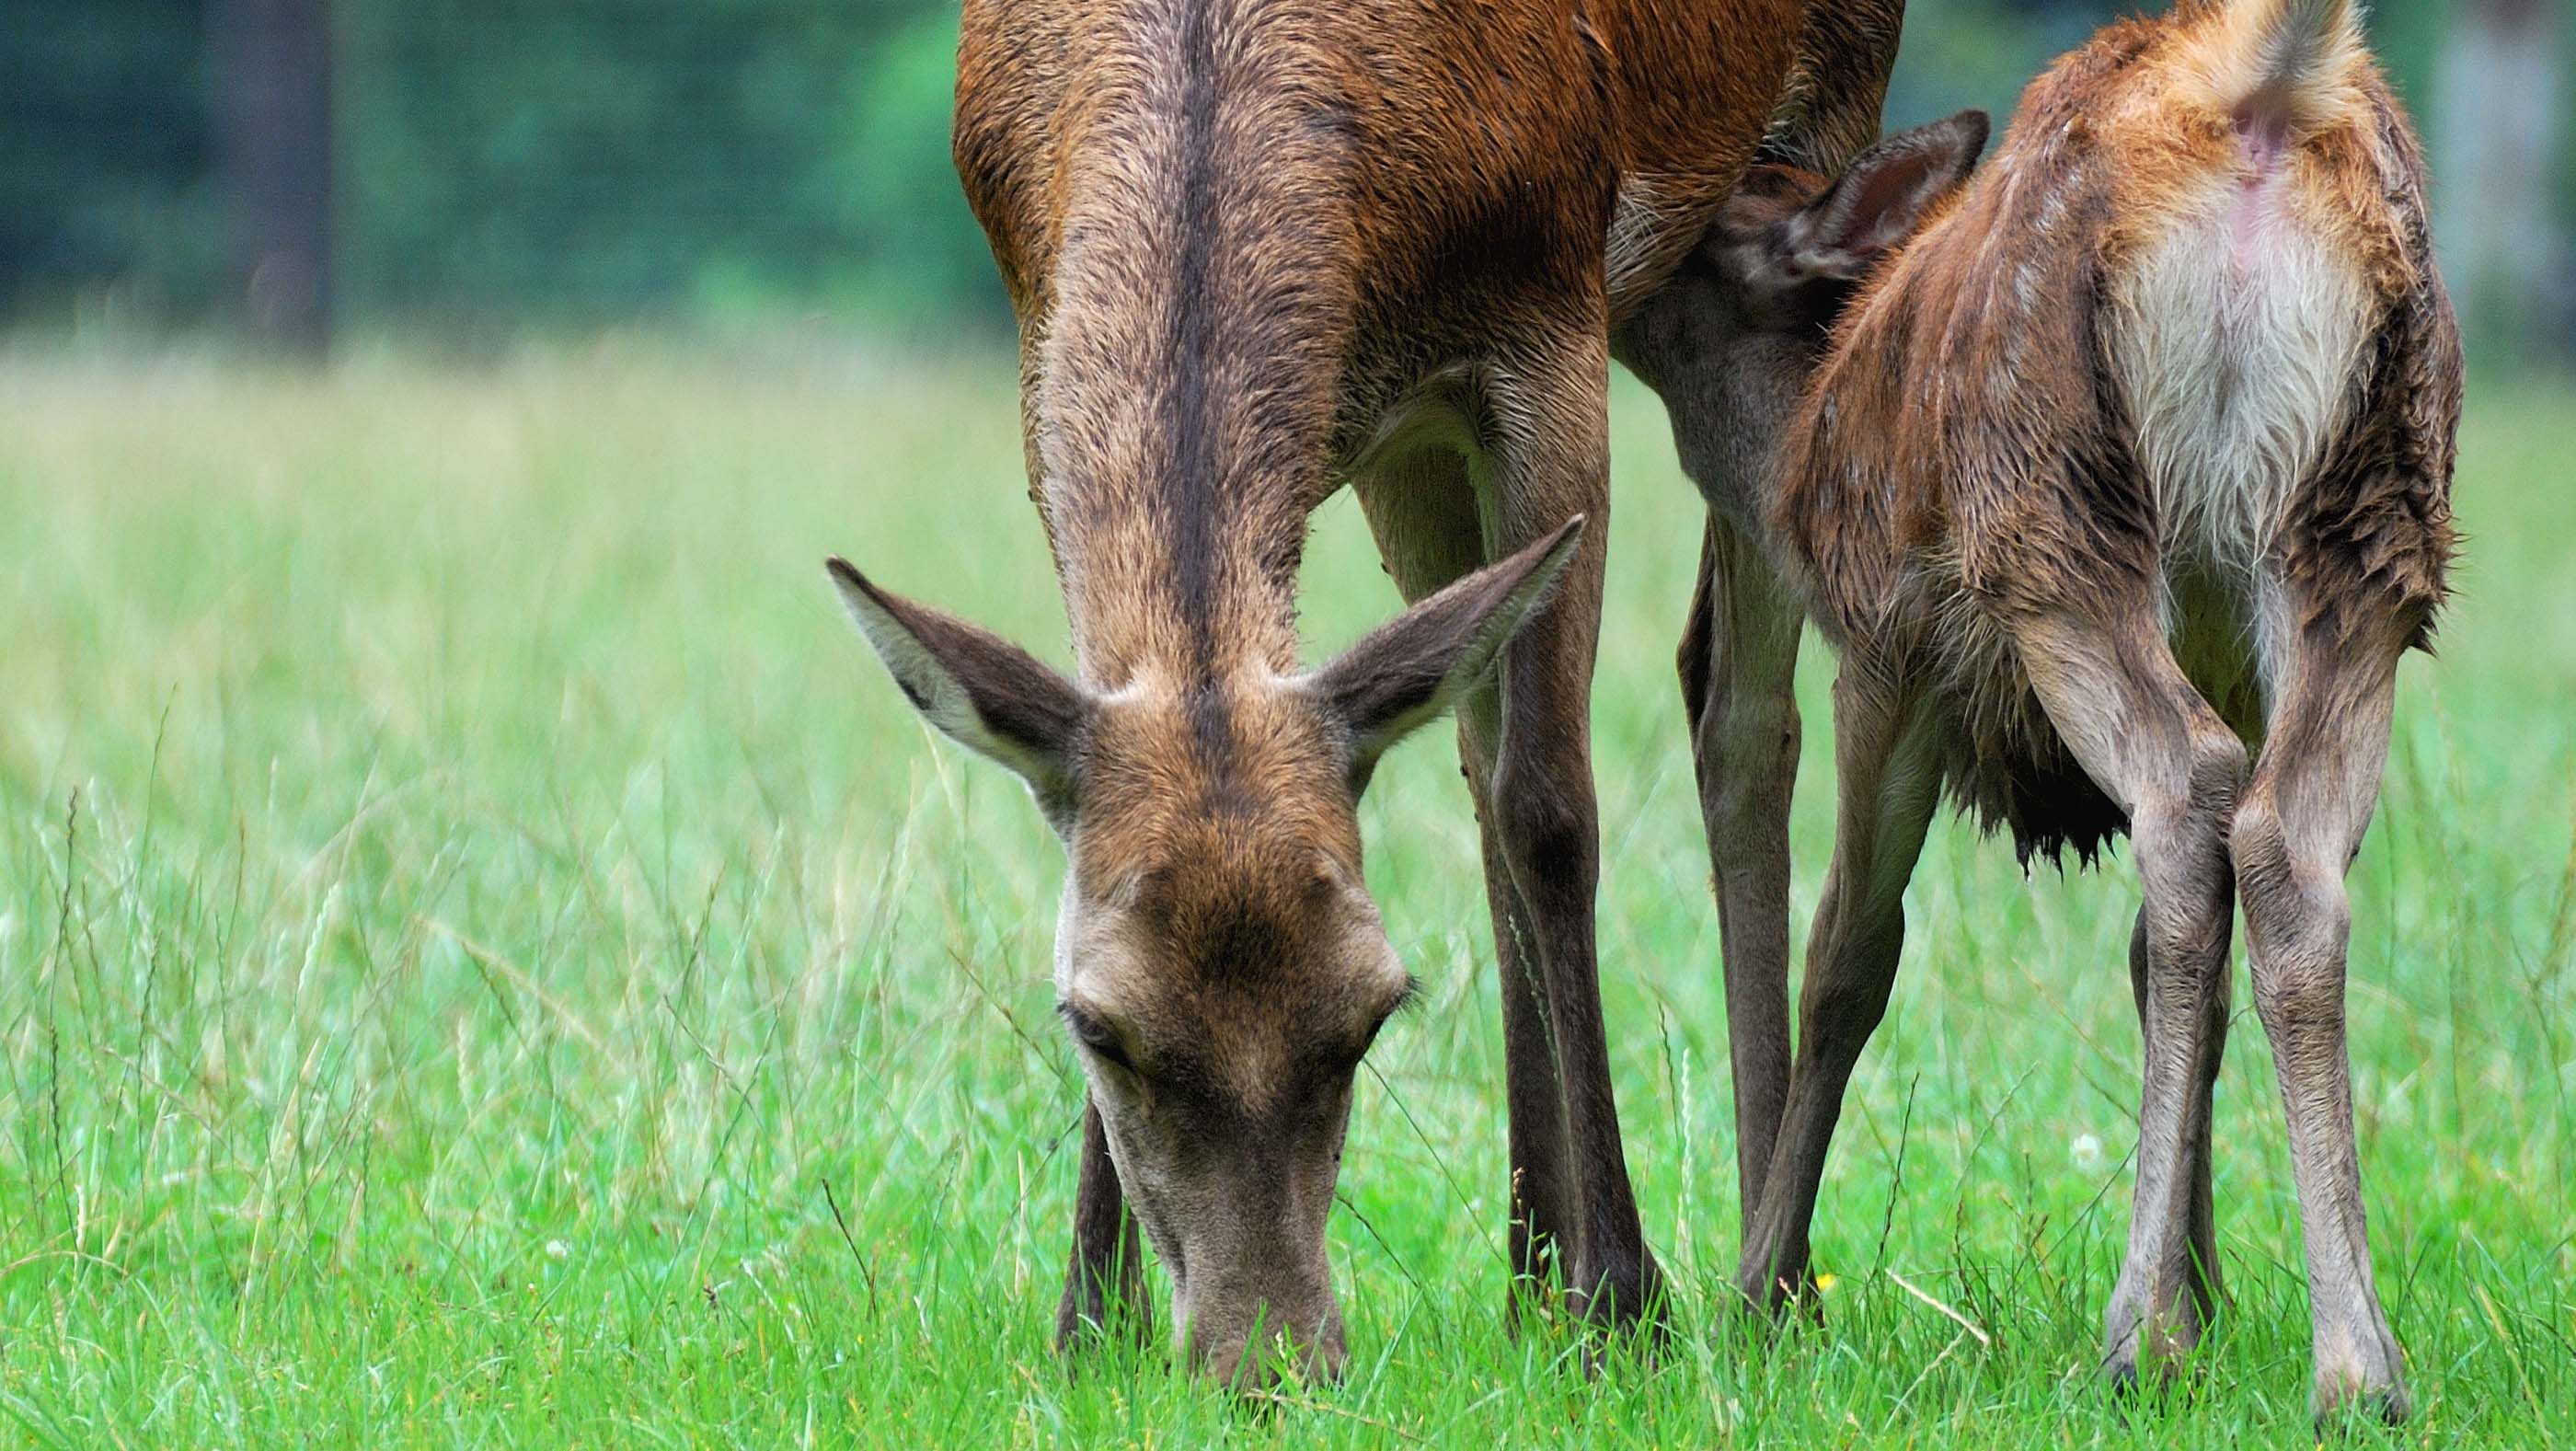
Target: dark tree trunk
(273, 74)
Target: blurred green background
(481, 168)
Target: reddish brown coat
(1258, 249)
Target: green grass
(469, 906)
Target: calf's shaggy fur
(2119, 477)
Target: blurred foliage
(729, 155)
(588, 160)
(106, 155)
(578, 161)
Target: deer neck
(1204, 284)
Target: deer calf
(2125, 459)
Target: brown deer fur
(1259, 248)
(2127, 457)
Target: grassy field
(475, 922)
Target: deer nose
(1258, 1360)
(1251, 1327)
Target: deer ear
(1412, 669)
(984, 692)
(1882, 196)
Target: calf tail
(2302, 49)
(2293, 63)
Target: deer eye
(1095, 1035)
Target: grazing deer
(1259, 248)
(2127, 457)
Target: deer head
(1219, 963)
(1733, 340)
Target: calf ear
(984, 692)
(1882, 196)
(1412, 669)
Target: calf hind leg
(2295, 835)
(2146, 736)
(2206, 1288)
